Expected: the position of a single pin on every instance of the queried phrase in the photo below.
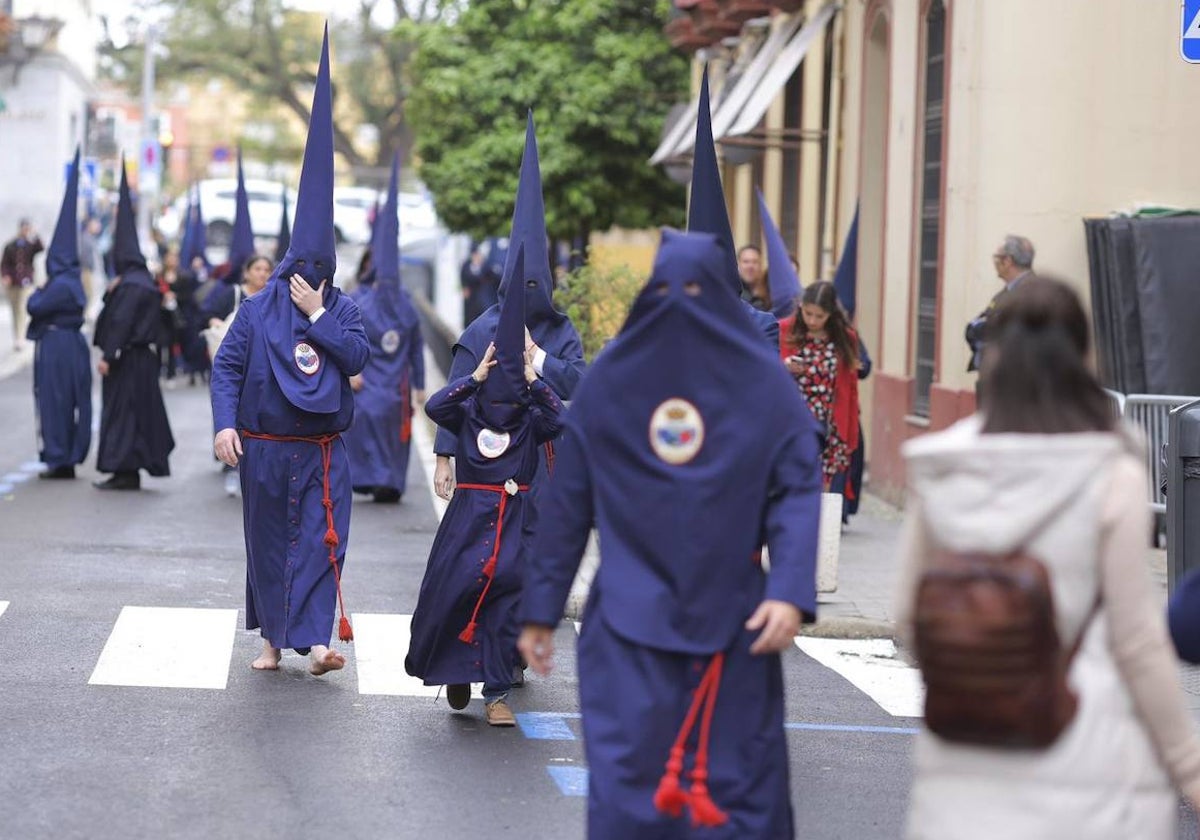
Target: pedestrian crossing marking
(168, 647)
(380, 645)
(15, 477)
(3, 607)
(874, 669)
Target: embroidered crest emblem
(676, 431)
(492, 444)
(306, 358)
(390, 342)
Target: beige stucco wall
(1057, 111)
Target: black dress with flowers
(819, 360)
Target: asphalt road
(287, 754)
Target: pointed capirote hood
(387, 307)
(62, 257)
(306, 376)
(503, 396)
(706, 211)
(241, 244)
(312, 251)
(198, 240)
(845, 280)
(529, 230)
(385, 231)
(284, 240)
(127, 258)
(781, 277)
(185, 238)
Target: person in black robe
(134, 431)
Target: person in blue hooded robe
(464, 628)
(135, 433)
(687, 450)
(281, 399)
(62, 364)
(553, 341)
(223, 297)
(379, 442)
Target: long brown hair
(1036, 377)
(824, 295)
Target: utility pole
(148, 185)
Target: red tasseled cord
(489, 570)
(704, 811)
(549, 458)
(670, 797)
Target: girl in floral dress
(820, 350)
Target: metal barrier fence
(1151, 414)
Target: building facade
(947, 124)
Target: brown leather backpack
(986, 640)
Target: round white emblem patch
(676, 431)
(492, 444)
(306, 358)
(390, 342)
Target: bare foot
(268, 660)
(325, 660)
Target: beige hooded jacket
(1077, 503)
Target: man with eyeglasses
(1013, 261)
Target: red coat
(845, 386)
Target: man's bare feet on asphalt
(324, 660)
(268, 660)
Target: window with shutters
(930, 209)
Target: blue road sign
(1189, 39)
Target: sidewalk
(11, 362)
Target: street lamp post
(21, 39)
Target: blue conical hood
(312, 252)
(503, 395)
(241, 245)
(185, 238)
(845, 280)
(784, 284)
(62, 258)
(707, 212)
(284, 240)
(529, 230)
(126, 252)
(310, 255)
(385, 239)
(199, 240)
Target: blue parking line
(571, 781)
(838, 727)
(546, 726)
(32, 466)
(5, 489)
(16, 477)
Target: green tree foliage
(270, 52)
(600, 76)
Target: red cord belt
(345, 632)
(670, 797)
(489, 568)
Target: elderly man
(754, 282)
(1013, 262)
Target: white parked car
(217, 202)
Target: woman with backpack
(1053, 708)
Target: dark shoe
(499, 714)
(458, 696)
(120, 481)
(58, 472)
(518, 677)
(363, 489)
(387, 495)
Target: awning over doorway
(746, 96)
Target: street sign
(1189, 40)
(88, 172)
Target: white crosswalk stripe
(3, 607)
(380, 645)
(168, 647)
(874, 668)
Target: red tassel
(670, 797)
(331, 538)
(468, 634)
(345, 632)
(489, 568)
(705, 812)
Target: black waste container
(1183, 492)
